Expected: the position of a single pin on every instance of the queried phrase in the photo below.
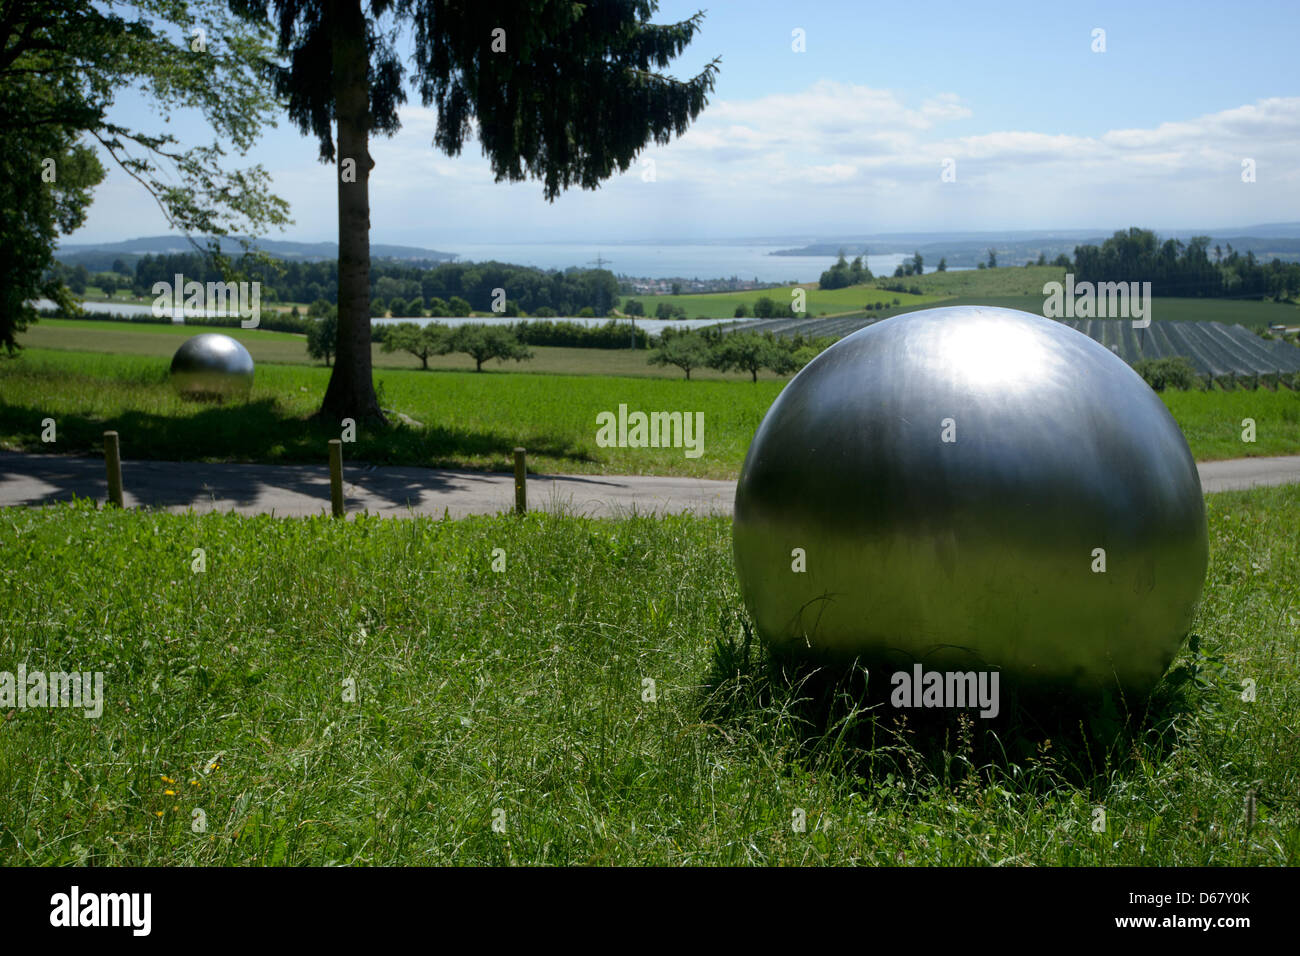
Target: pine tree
(567, 93)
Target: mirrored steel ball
(974, 488)
(211, 365)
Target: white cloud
(829, 156)
(834, 173)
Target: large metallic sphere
(212, 366)
(980, 551)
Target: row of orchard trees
(480, 341)
(433, 338)
(750, 352)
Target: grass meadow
(722, 305)
(376, 691)
(286, 348)
(1006, 281)
(463, 418)
(372, 692)
(1009, 288)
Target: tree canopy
(62, 65)
(751, 352)
(844, 274)
(686, 351)
(563, 92)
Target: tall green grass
(523, 697)
(465, 419)
(1214, 422)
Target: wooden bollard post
(113, 465)
(521, 483)
(336, 477)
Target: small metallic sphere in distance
(212, 366)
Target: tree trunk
(754, 372)
(351, 389)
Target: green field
(154, 339)
(469, 419)
(521, 698)
(1008, 288)
(936, 287)
(286, 348)
(722, 305)
(1212, 421)
(1013, 281)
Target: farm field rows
(1251, 313)
(371, 692)
(1214, 349)
(469, 419)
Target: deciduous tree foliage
(322, 333)
(751, 352)
(564, 91)
(1172, 372)
(687, 351)
(484, 342)
(62, 63)
(35, 214)
(421, 341)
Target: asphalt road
(296, 490)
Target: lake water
(670, 260)
(702, 260)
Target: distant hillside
(959, 252)
(1271, 230)
(1266, 241)
(98, 256)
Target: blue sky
(851, 136)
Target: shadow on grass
(838, 717)
(249, 436)
(263, 431)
